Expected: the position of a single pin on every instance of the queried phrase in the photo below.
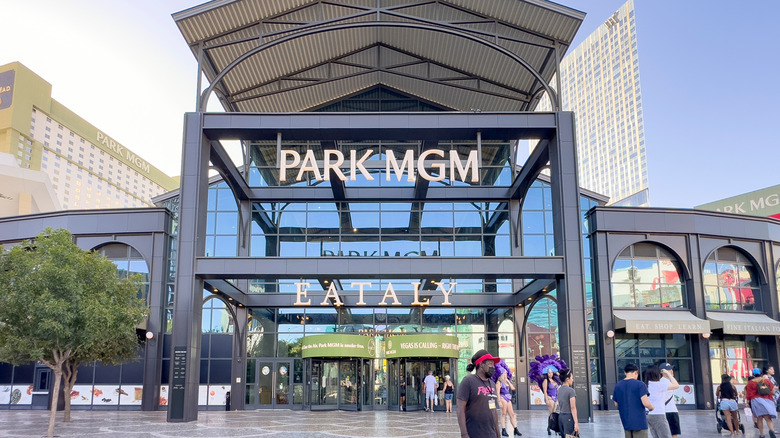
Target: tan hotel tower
(86, 168)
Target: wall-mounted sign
(333, 161)
(123, 152)
(332, 297)
(338, 345)
(423, 345)
(7, 88)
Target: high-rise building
(86, 167)
(600, 84)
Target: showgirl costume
(501, 370)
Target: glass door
(366, 384)
(350, 389)
(268, 384)
(413, 377)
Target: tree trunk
(69, 372)
(56, 392)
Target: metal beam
(224, 165)
(379, 267)
(535, 164)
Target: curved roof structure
(299, 55)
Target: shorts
(673, 418)
(447, 396)
(430, 395)
(728, 405)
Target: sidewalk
(293, 424)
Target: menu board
(178, 379)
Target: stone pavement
(292, 424)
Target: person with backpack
(758, 393)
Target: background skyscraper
(600, 84)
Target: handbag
(574, 435)
(552, 422)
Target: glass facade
(647, 350)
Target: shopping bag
(552, 422)
(436, 401)
(575, 435)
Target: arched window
(730, 281)
(541, 328)
(128, 262)
(646, 275)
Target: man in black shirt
(477, 401)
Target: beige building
(600, 84)
(86, 168)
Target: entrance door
(336, 384)
(273, 388)
(411, 382)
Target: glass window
(647, 350)
(729, 281)
(646, 275)
(736, 356)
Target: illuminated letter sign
(333, 162)
(332, 297)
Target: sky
(708, 73)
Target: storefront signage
(6, 88)
(644, 326)
(338, 345)
(424, 345)
(750, 328)
(764, 202)
(333, 160)
(332, 297)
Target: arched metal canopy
(295, 55)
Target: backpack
(762, 388)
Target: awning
(660, 321)
(735, 323)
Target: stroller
(720, 417)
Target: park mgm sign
(333, 161)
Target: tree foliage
(64, 306)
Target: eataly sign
(332, 296)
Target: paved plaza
(292, 424)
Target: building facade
(600, 83)
(361, 244)
(86, 167)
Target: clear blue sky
(708, 71)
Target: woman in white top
(656, 419)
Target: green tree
(64, 306)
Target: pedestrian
(630, 397)
(670, 405)
(550, 389)
(429, 387)
(402, 390)
(567, 418)
(504, 388)
(727, 393)
(477, 403)
(449, 390)
(769, 372)
(758, 393)
(656, 419)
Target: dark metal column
(702, 376)
(567, 222)
(609, 371)
(156, 299)
(188, 301)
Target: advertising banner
(423, 345)
(338, 345)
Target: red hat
(481, 356)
